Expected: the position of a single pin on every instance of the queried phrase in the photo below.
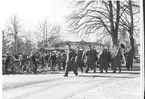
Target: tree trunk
(131, 27)
(117, 21)
(114, 29)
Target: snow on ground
(125, 85)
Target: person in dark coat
(42, 60)
(52, 60)
(116, 61)
(129, 60)
(71, 62)
(63, 60)
(33, 58)
(84, 58)
(46, 57)
(104, 60)
(23, 62)
(7, 62)
(79, 58)
(90, 59)
(95, 55)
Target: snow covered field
(125, 85)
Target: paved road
(85, 86)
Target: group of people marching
(90, 59)
(71, 60)
(35, 60)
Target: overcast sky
(31, 12)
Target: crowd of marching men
(71, 60)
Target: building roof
(62, 45)
(81, 42)
(48, 48)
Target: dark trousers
(67, 71)
(114, 70)
(80, 65)
(88, 67)
(35, 68)
(129, 67)
(6, 66)
(104, 69)
(63, 64)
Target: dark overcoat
(79, 58)
(90, 58)
(104, 60)
(116, 61)
(71, 64)
(129, 58)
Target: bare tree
(5, 42)
(13, 27)
(111, 17)
(90, 16)
(127, 20)
(131, 26)
(47, 33)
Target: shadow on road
(124, 71)
(130, 72)
(103, 76)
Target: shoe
(76, 74)
(65, 75)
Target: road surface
(125, 85)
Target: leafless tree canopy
(47, 33)
(13, 41)
(111, 17)
(13, 27)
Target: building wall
(84, 46)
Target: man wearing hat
(116, 60)
(52, 60)
(71, 61)
(90, 59)
(33, 57)
(129, 59)
(79, 59)
(104, 60)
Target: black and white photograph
(72, 49)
